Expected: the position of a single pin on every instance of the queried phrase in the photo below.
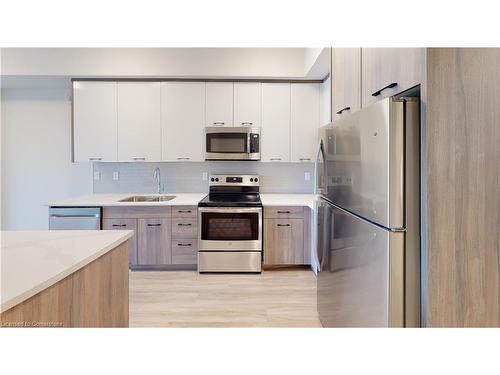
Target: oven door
(232, 143)
(229, 229)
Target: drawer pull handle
(305, 159)
(219, 123)
(154, 225)
(184, 244)
(119, 225)
(343, 109)
(275, 159)
(139, 158)
(283, 212)
(183, 158)
(184, 225)
(184, 211)
(283, 225)
(389, 86)
(95, 159)
(247, 123)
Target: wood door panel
(154, 242)
(283, 241)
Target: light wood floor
(277, 298)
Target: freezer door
(365, 162)
(360, 283)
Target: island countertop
(32, 261)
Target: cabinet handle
(139, 158)
(275, 159)
(119, 225)
(343, 109)
(389, 86)
(154, 225)
(305, 159)
(184, 225)
(283, 225)
(283, 212)
(184, 211)
(184, 244)
(183, 158)
(247, 123)
(219, 123)
(94, 159)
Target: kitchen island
(64, 278)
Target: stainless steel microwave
(232, 143)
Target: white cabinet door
(182, 121)
(247, 103)
(94, 121)
(275, 130)
(304, 121)
(219, 104)
(139, 129)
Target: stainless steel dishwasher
(75, 218)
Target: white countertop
(181, 199)
(106, 200)
(32, 261)
(288, 199)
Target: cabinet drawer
(184, 212)
(184, 228)
(184, 251)
(137, 212)
(283, 241)
(284, 212)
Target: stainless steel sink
(148, 198)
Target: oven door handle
(230, 209)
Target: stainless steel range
(230, 225)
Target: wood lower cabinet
(154, 237)
(283, 241)
(287, 235)
(185, 251)
(125, 224)
(184, 235)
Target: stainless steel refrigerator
(368, 223)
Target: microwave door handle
(248, 143)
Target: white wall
(156, 62)
(36, 156)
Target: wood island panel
(97, 295)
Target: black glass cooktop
(231, 200)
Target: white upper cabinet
(219, 104)
(275, 122)
(182, 121)
(94, 121)
(304, 121)
(139, 128)
(346, 81)
(247, 103)
(389, 71)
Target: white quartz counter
(32, 261)
(106, 200)
(288, 199)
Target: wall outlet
(204, 176)
(116, 176)
(307, 176)
(97, 175)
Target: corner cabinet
(304, 121)
(95, 123)
(139, 128)
(275, 122)
(182, 121)
(389, 71)
(346, 81)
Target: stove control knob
(216, 179)
(256, 179)
(251, 180)
(212, 179)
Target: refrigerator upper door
(365, 162)
(360, 283)
(319, 169)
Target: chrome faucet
(156, 176)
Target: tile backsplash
(188, 177)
